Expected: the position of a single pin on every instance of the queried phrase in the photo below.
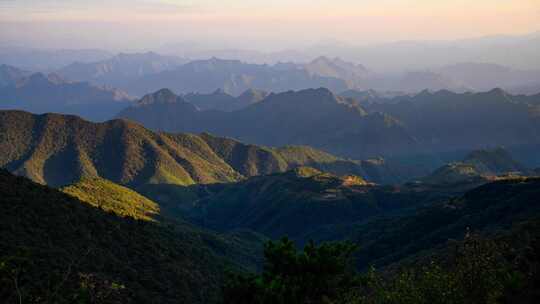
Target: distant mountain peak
(162, 96)
(497, 91)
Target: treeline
(475, 270)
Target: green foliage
(389, 239)
(476, 271)
(57, 249)
(318, 274)
(477, 167)
(58, 150)
(297, 202)
(113, 198)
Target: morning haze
(270, 152)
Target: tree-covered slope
(304, 199)
(112, 197)
(58, 150)
(57, 249)
(488, 208)
(479, 166)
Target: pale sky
(279, 24)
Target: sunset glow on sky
(350, 21)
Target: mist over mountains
(398, 126)
(463, 65)
(144, 73)
(140, 177)
(42, 93)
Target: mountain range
(9, 75)
(425, 123)
(40, 93)
(445, 120)
(121, 69)
(140, 74)
(218, 182)
(192, 206)
(59, 150)
(233, 76)
(219, 100)
(314, 117)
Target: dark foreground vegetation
(483, 247)
(474, 270)
(57, 249)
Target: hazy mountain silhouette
(10, 75)
(314, 117)
(219, 100)
(233, 76)
(46, 59)
(120, 69)
(445, 120)
(485, 76)
(40, 93)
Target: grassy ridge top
(112, 197)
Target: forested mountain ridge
(487, 209)
(59, 149)
(314, 117)
(56, 248)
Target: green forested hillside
(58, 150)
(479, 166)
(299, 201)
(493, 207)
(57, 249)
(483, 247)
(252, 160)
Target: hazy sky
(255, 24)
